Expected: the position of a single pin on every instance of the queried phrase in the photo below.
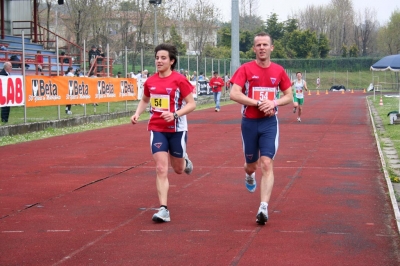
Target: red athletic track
(88, 198)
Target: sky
(285, 8)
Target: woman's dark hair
(172, 52)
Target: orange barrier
(46, 91)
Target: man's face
(262, 47)
(8, 67)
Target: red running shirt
(260, 83)
(166, 95)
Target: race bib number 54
(159, 103)
(264, 93)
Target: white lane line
(12, 231)
(385, 235)
(151, 230)
(291, 231)
(56, 231)
(199, 230)
(337, 233)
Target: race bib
(159, 102)
(264, 93)
(299, 93)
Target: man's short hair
(215, 72)
(262, 34)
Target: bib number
(159, 103)
(264, 93)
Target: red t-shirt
(166, 95)
(214, 84)
(39, 59)
(260, 83)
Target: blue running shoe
(250, 182)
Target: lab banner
(46, 91)
(11, 90)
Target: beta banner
(46, 91)
(11, 90)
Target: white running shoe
(250, 182)
(298, 119)
(69, 113)
(161, 216)
(189, 165)
(262, 215)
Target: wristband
(176, 116)
(275, 104)
(258, 103)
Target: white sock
(263, 203)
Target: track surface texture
(88, 198)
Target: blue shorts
(172, 142)
(260, 137)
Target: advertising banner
(11, 90)
(61, 90)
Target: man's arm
(238, 96)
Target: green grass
(391, 132)
(51, 132)
(351, 80)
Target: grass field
(50, 132)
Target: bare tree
(202, 20)
(365, 31)
(248, 8)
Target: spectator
(187, 75)
(78, 73)
(14, 58)
(100, 55)
(194, 76)
(216, 84)
(201, 77)
(64, 58)
(69, 73)
(5, 111)
(145, 74)
(118, 75)
(92, 56)
(39, 61)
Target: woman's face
(163, 62)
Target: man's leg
(218, 100)
(267, 179)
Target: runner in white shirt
(298, 95)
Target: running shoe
(250, 182)
(262, 215)
(189, 165)
(294, 110)
(298, 119)
(161, 216)
(216, 109)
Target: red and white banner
(11, 90)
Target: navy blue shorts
(260, 137)
(174, 142)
